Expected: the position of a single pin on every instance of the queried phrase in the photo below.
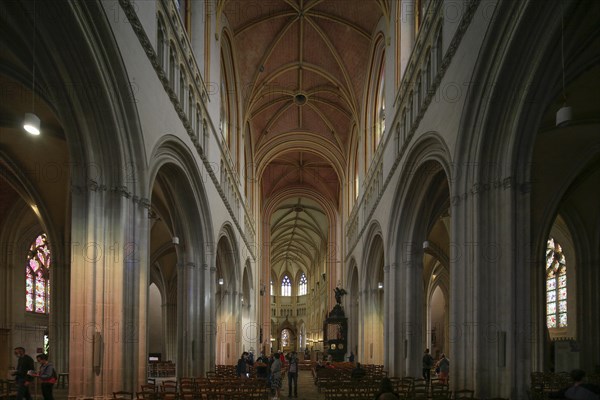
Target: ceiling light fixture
(31, 122)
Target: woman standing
(47, 375)
(276, 375)
(444, 366)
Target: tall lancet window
(37, 276)
(302, 286)
(380, 107)
(556, 285)
(286, 286)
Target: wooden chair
(420, 393)
(148, 388)
(187, 387)
(8, 390)
(168, 395)
(463, 394)
(186, 380)
(419, 383)
(147, 395)
(121, 395)
(168, 386)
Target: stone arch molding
(427, 157)
(13, 175)
(227, 233)
(300, 141)
(426, 168)
(366, 272)
(171, 152)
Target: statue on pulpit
(339, 292)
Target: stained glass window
(302, 287)
(286, 286)
(37, 276)
(556, 286)
(285, 338)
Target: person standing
(444, 366)
(293, 374)
(242, 370)
(262, 366)
(47, 376)
(276, 375)
(358, 373)
(21, 374)
(427, 364)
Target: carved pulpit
(335, 329)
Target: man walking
(427, 364)
(23, 379)
(293, 374)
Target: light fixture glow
(221, 281)
(31, 123)
(563, 116)
(380, 285)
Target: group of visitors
(25, 373)
(270, 369)
(442, 367)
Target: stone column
(588, 297)
(462, 259)
(413, 323)
(169, 312)
(107, 341)
(58, 329)
(190, 319)
(389, 322)
(265, 273)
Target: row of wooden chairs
(161, 369)
(343, 371)
(204, 392)
(8, 389)
(405, 388)
(552, 382)
(188, 385)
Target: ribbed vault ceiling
(299, 231)
(302, 67)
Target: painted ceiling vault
(302, 68)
